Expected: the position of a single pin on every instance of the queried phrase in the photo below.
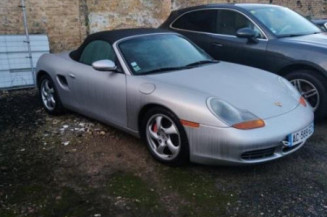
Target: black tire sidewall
(320, 83)
(58, 107)
(183, 156)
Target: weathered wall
(67, 22)
(104, 14)
(60, 19)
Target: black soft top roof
(112, 36)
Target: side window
(202, 21)
(229, 22)
(97, 50)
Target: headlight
(233, 116)
(293, 91)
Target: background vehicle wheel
(312, 87)
(165, 137)
(49, 96)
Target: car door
(217, 35)
(234, 49)
(100, 94)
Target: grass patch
(67, 203)
(198, 192)
(134, 192)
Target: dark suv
(265, 36)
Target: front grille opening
(287, 148)
(258, 154)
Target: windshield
(284, 22)
(161, 52)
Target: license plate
(300, 136)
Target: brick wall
(59, 19)
(67, 22)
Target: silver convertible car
(161, 87)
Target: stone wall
(104, 14)
(61, 20)
(67, 22)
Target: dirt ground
(71, 166)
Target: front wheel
(312, 87)
(165, 137)
(49, 96)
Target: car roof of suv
(247, 6)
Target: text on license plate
(300, 136)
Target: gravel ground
(72, 166)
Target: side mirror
(104, 65)
(248, 33)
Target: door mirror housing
(247, 33)
(104, 65)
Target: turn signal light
(190, 124)
(303, 102)
(247, 125)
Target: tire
(306, 80)
(165, 137)
(49, 96)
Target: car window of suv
(97, 50)
(202, 21)
(229, 22)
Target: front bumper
(213, 145)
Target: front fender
(186, 103)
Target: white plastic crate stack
(15, 66)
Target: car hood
(319, 40)
(247, 88)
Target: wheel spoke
(297, 84)
(159, 122)
(44, 92)
(53, 101)
(46, 86)
(161, 148)
(171, 130)
(310, 93)
(49, 103)
(153, 134)
(172, 147)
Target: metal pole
(28, 39)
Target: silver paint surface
(118, 98)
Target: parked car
(265, 36)
(321, 23)
(185, 105)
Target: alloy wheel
(308, 91)
(163, 137)
(47, 94)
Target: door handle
(218, 44)
(72, 75)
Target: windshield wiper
(191, 65)
(198, 63)
(164, 69)
(291, 35)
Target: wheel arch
(302, 66)
(39, 74)
(144, 110)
